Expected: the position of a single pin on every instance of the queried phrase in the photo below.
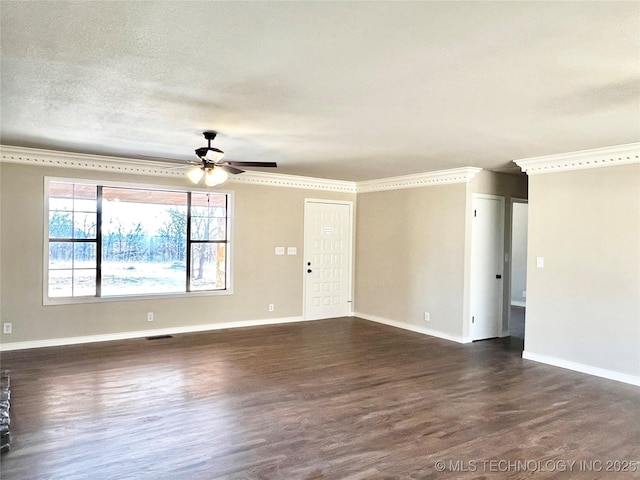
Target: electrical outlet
(524, 294)
(149, 316)
(426, 317)
(7, 328)
(272, 307)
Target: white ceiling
(344, 90)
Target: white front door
(487, 264)
(327, 259)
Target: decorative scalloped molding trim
(51, 158)
(594, 158)
(83, 161)
(294, 181)
(440, 177)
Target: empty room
(319, 240)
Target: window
(116, 240)
(73, 242)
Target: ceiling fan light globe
(215, 176)
(220, 175)
(195, 175)
(214, 155)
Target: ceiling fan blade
(250, 164)
(230, 169)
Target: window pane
(72, 215)
(84, 225)
(84, 255)
(84, 192)
(63, 204)
(60, 190)
(60, 255)
(213, 212)
(65, 278)
(208, 266)
(84, 282)
(137, 278)
(84, 205)
(214, 201)
(208, 216)
(143, 241)
(60, 283)
(70, 196)
(140, 195)
(208, 228)
(60, 224)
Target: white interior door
(327, 259)
(487, 265)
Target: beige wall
(584, 305)
(413, 252)
(264, 217)
(410, 256)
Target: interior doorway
(518, 286)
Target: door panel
(327, 253)
(487, 265)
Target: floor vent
(159, 337)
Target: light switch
(292, 250)
(279, 250)
(540, 262)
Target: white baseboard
(582, 368)
(56, 342)
(413, 328)
(518, 303)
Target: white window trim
(46, 300)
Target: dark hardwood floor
(331, 399)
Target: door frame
(350, 285)
(501, 199)
(512, 200)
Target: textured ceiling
(345, 90)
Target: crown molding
(440, 177)
(294, 181)
(594, 158)
(101, 163)
(85, 161)
(137, 166)
(598, 157)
